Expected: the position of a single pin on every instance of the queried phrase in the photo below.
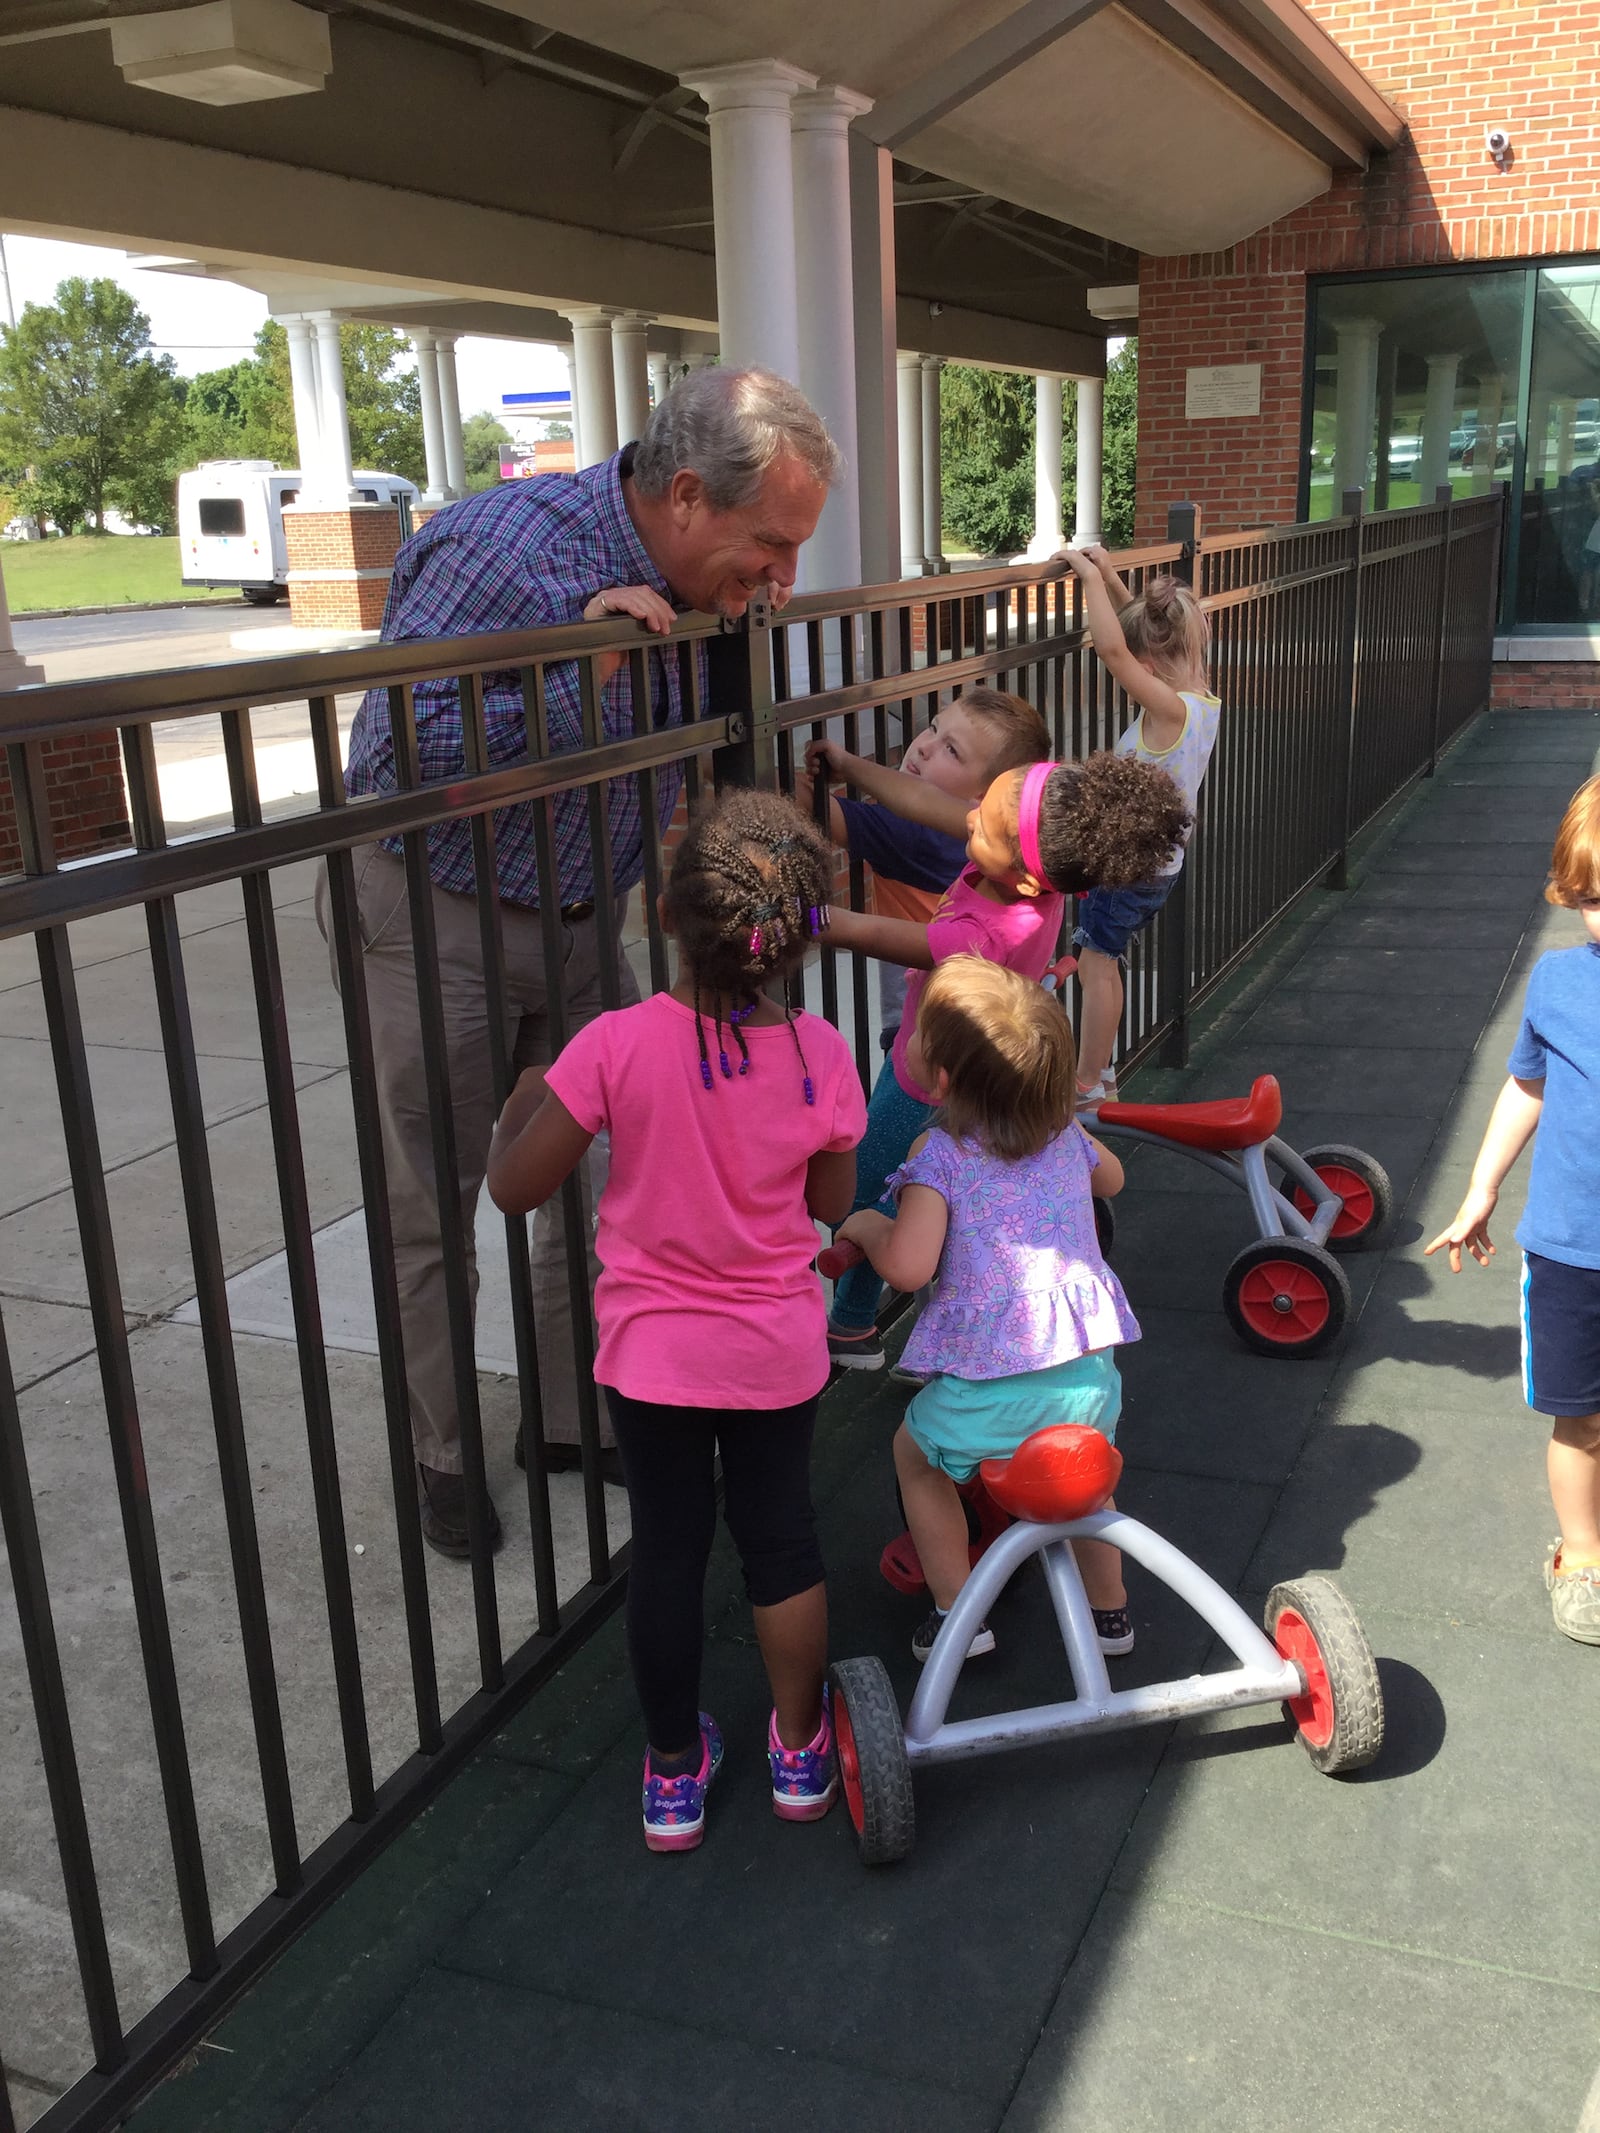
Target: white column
(572, 402)
(307, 400)
(1356, 404)
(630, 374)
(660, 378)
(873, 306)
(455, 445)
(438, 490)
(15, 671)
(335, 482)
(932, 473)
(908, 369)
(752, 199)
(820, 148)
(1438, 419)
(597, 392)
(1089, 503)
(1048, 532)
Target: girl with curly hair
(733, 1126)
(1038, 835)
(1155, 645)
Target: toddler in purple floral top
(997, 1198)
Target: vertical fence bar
(1352, 507)
(42, 1657)
(69, 1055)
(519, 1270)
(216, 1332)
(536, 712)
(1177, 937)
(1445, 497)
(344, 929)
(300, 1260)
(447, 1191)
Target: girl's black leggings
(667, 1458)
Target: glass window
(1558, 553)
(222, 516)
(1414, 384)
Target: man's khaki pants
(408, 1142)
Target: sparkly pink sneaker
(675, 1808)
(804, 1780)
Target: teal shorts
(955, 1422)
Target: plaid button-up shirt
(526, 555)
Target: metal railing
(1347, 654)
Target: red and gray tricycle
(1285, 1293)
(1312, 1658)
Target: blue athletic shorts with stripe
(1560, 1336)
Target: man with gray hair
(711, 506)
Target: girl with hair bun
(1156, 645)
(733, 1126)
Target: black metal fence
(1347, 654)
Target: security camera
(936, 310)
(1498, 142)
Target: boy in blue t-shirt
(1554, 1090)
(914, 838)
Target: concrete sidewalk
(1177, 1928)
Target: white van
(230, 521)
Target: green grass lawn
(95, 570)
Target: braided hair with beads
(747, 897)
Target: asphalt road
(143, 640)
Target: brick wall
(86, 797)
(1545, 685)
(339, 564)
(1451, 69)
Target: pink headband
(1033, 786)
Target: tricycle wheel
(1363, 1185)
(874, 1769)
(1284, 1296)
(1340, 1716)
(1105, 1226)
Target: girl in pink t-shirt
(1038, 835)
(733, 1125)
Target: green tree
(986, 452)
(482, 438)
(385, 403)
(986, 428)
(90, 409)
(247, 410)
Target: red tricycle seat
(1065, 1471)
(1230, 1122)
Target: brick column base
(84, 791)
(340, 561)
(1545, 685)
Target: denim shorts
(955, 1422)
(1109, 918)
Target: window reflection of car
(1478, 455)
(1404, 453)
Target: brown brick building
(1436, 317)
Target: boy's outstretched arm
(889, 940)
(913, 799)
(537, 1142)
(805, 798)
(1512, 1124)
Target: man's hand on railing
(641, 601)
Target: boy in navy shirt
(1554, 1091)
(975, 739)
